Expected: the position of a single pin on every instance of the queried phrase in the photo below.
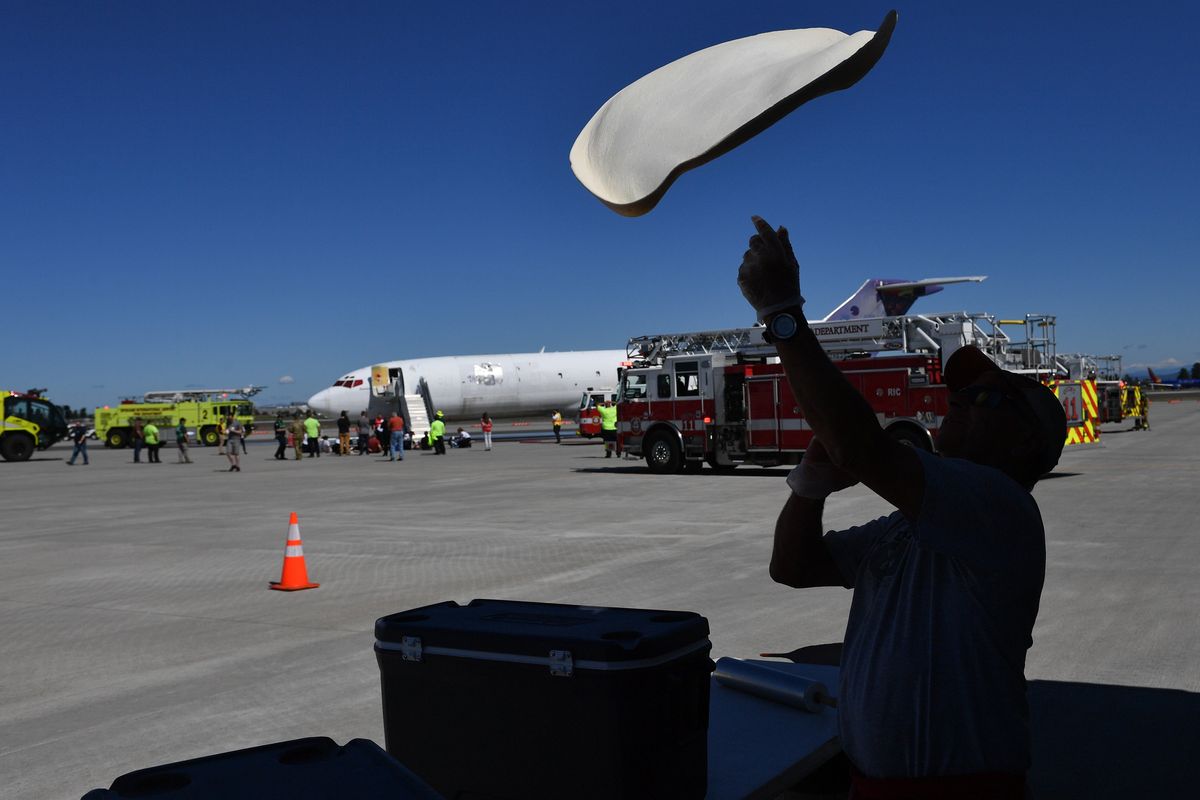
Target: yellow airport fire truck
(30, 423)
(201, 411)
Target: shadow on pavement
(1060, 475)
(1097, 740)
(640, 469)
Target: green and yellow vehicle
(31, 422)
(114, 425)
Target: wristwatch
(780, 328)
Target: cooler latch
(410, 648)
(561, 663)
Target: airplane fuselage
(464, 387)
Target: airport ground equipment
(31, 422)
(114, 424)
(181, 395)
(1116, 399)
(587, 416)
(501, 698)
(315, 768)
(721, 396)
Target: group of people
(304, 433)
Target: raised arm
(840, 417)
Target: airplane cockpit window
(357, 382)
(634, 387)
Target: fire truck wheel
(910, 436)
(663, 455)
(117, 437)
(16, 447)
(209, 436)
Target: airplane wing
(901, 286)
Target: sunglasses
(983, 396)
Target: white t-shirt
(932, 679)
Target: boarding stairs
(418, 417)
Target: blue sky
(230, 193)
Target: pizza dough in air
(705, 104)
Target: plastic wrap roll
(773, 684)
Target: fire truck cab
(587, 416)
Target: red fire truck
(587, 416)
(721, 397)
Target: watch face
(783, 326)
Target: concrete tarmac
(136, 626)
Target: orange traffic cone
(295, 574)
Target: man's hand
(817, 477)
(770, 275)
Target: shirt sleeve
(975, 513)
(848, 548)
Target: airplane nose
(320, 401)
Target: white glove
(817, 480)
(770, 275)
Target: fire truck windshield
(633, 387)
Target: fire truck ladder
(1035, 355)
(1085, 366)
(930, 334)
(652, 349)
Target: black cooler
(511, 700)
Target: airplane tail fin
(1153, 378)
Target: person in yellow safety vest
(437, 434)
(312, 428)
(608, 427)
(150, 431)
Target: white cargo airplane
(465, 387)
(509, 384)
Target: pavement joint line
(194, 617)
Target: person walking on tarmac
(236, 433)
(222, 437)
(608, 427)
(150, 431)
(78, 434)
(556, 418)
(932, 701)
(437, 434)
(281, 434)
(296, 429)
(181, 441)
(396, 429)
(312, 427)
(485, 424)
(137, 435)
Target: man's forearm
(799, 557)
(838, 414)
